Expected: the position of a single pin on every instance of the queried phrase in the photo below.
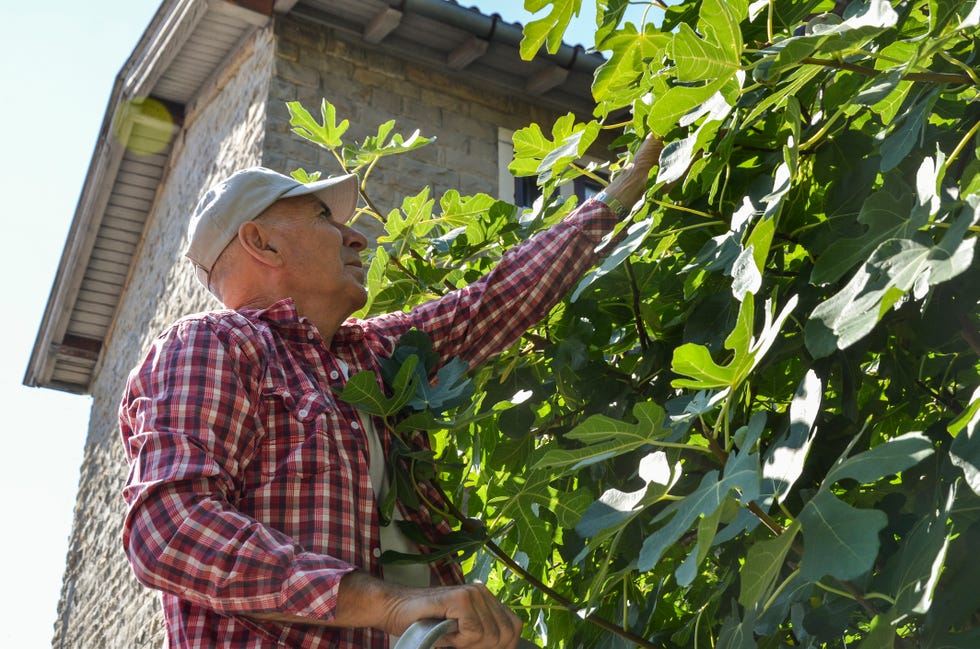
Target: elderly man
(253, 491)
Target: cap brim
(338, 193)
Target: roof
(185, 45)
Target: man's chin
(361, 300)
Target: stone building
(203, 94)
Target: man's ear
(257, 241)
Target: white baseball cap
(244, 196)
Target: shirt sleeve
(187, 422)
(487, 316)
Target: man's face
(321, 253)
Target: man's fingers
(483, 621)
(648, 154)
(629, 185)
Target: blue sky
(58, 61)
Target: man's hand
(629, 184)
(483, 622)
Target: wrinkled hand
(482, 621)
(630, 183)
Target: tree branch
(926, 77)
(563, 601)
(640, 329)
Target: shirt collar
(283, 316)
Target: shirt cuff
(594, 219)
(621, 211)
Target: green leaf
(741, 475)
(914, 572)
(383, 144)
(968, 419)
(886, 217)
(449, 545)
(839, 540)
(615, 508)
(606, 438)
(782, 182)
(738, 634)
(569, 507)
(450, 389)
(694, 361)
(719, 21)
(897, 264)
(947, 640)
(785, 460)
(877, 88)
(894, 456)
(746, 277)
(535, 154)
(707, 528)
(375, 280)
(609, 13)
(794, 84)
(405, 226)
(551, 28)
(965, 449)
(897, 145)
(697, 59)
(363, 391)
(635, 236)
(763, 563)
(676, 159)
(868, 20)
(521, 498)
(670, 107)
(328, 134)
(714, 56)
(572, 147)
(760, 240)
(941, 12)
(881, 632)
(972, 19)
(630, 51)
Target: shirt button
(355, 425)
(304, 412)
(376, 552)
(335, 375)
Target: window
(524, 191)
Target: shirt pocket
(299, 441)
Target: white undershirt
(391, 536)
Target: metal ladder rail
(424, 634)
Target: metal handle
(424, 633)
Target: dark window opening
(526, 191)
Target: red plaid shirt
(248, 489)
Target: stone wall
(102, 606)
(246, 122)
(369, 88)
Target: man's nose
(354, 239)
